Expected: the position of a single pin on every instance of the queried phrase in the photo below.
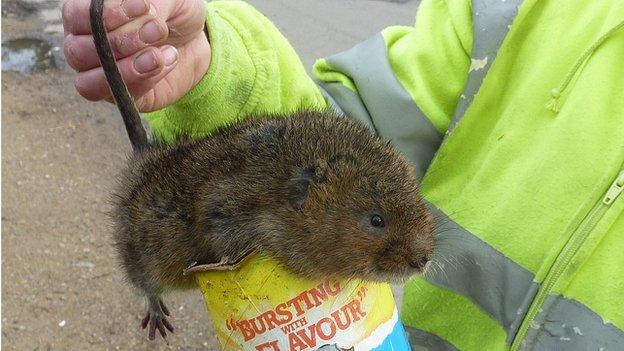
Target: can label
(262, 307)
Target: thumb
(184, 18)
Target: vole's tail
(125, 103)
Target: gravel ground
(61, 289)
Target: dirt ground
(61, 289)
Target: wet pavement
(26, 55)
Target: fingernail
(134, 8)
(170, 54)
(151, 32)
(146, 62)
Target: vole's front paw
(156, 317)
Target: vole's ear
(299, 186)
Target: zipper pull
(615, 190)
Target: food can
(261, 306)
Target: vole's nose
(419, 262)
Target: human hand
(161, 49)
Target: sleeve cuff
(219, 97)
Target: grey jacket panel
(382, 103)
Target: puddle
(27, 55)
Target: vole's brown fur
(303, 188)
(300, 188)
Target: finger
(140, 72)
(152, 330)
(142, 87)
(162, 331)
(75, 14)
(190, 69)
(126, 40)
(164, 308)
(167, 324)
(145, 321)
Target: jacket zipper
(567, 253)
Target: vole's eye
(377, 221)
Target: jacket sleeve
(253, 69)
(405, 82)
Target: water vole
(314, 190)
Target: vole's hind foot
(156, 318)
